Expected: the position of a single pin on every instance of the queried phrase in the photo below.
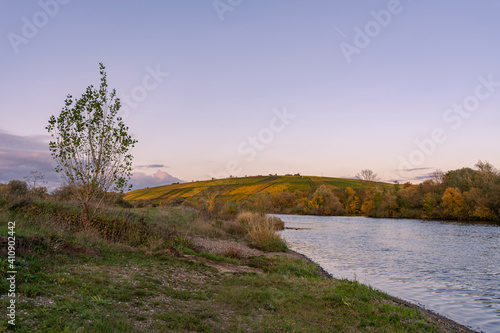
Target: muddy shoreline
(445, 324)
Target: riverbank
(445, 324)
(438, 265)
(82, 289)
(201, 277)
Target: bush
(143, 203)
(277, 222)
(63, 193)
(230, 209)
(232, 252)
(262, 229)
(18, 187)
(38, 192)
(234, 228)
(120, 202)
(128, 230)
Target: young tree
(36, 181)
(91, 145)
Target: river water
(449, 267)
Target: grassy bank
(154, 278)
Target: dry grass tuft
(277, 222)
(262, 229)
(234, 228)
(246, 218)
(232, 251)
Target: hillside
(241, 188)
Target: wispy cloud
(414, 175)
(19, 155)
(424, 177)
(416, 169)
(151, 166)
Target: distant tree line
(463, 194)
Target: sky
(236, 87)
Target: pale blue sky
(228, 78)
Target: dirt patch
(172, 252)
(225, 267)
(40, 244)
(222, 246)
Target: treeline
(463, 194)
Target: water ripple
(451, 268)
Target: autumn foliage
(463, 194)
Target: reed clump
(262, 231)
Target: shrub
(18, 187)
(110, 228)
(234, 228)
(142, 203)
(38, 192)
(245, 218)
(262, 229)
(63, 193)
(230, 209)
(277, 222)
(120, 202)
(232, 252)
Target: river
(451, 268)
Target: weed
(232, 252)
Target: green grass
(130, 292)
(147, 287)
(286, 266)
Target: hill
(237, 189)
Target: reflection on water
(451, 268)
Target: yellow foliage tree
(355, 206)
(367, 207)
(453, 203)
(324, 202)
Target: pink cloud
(141, 180)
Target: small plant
(184, 245)
(232, 252)
(100, 301)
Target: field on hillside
(237, 189)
